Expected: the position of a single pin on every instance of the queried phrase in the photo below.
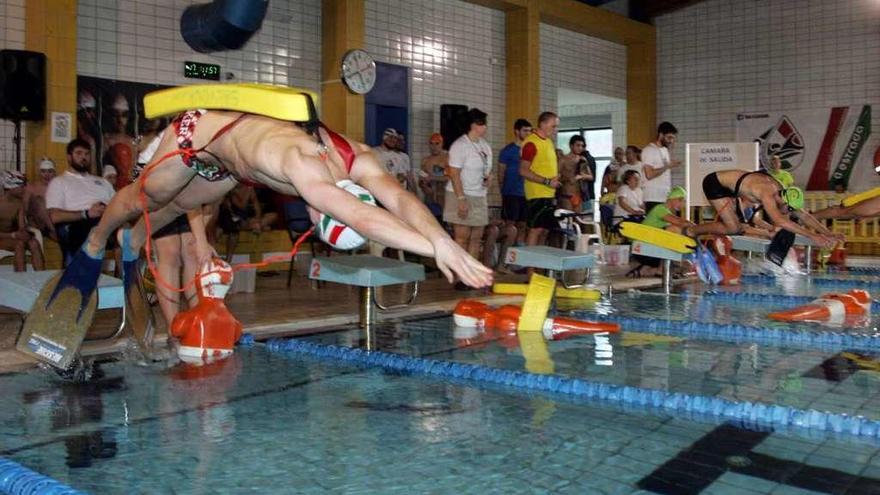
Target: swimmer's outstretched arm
(782, 220)
(811, 223)
(449, 256)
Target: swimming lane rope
(772, 415)
(16, 479)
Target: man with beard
(76, 199)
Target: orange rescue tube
(471, 313)
(828, 307)
(566, 328)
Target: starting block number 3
(511, 257)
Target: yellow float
(858, 198)
(278, 102)
(561, 292)
(658, 237)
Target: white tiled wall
(456, 53)
(582, 63)
(11, 38)
(718, 58)
(139, 40)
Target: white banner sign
(702, 159)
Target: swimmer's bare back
(261, 149)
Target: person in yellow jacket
(539, 168)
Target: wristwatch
(547, 182)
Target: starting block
(643, 248)
(759, 245)
(551, 259)
(368, 273)
(20, 290)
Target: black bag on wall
(22, 85)
(453, 123)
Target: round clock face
(358, 71)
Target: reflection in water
(425, 408)
(81, 404)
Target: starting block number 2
(316, 269)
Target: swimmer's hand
(205, 254)
(823, 241)
(452, 260)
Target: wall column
(641, 91)
(342, 29)
(50, 28)
(522, 37)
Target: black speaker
(22, 85)
(453, 123)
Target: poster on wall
(110, 117)
(825, 149)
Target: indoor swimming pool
(421, 406)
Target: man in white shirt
(656, 165)
(394, 161)
(470, 166)
(76, 199)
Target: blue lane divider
(818, 281)
(16, 479)
(865, 270)
(768, 299)
(833, 340)
(773, 415)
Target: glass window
(563, 136)
(600, 143)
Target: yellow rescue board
(561, 292)
(536, 304)
(278, 102)
(858, 198)
(658, 237)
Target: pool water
(834, 381)
(272, 422)
(264, 422)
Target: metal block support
(367, 272)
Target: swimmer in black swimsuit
(732, 191)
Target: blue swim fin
(711, 266)
(81, 274)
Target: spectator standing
(573, 172)
(513, 195)
(396, 163)
(433, 174)
(540, 169)
(657, 166)
(470, 166)
(633, 162)
(586, 185)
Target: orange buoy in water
(471, 313)
(830, 307)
